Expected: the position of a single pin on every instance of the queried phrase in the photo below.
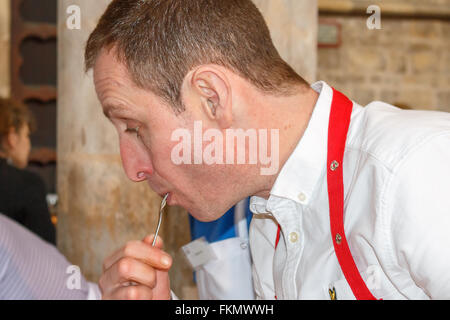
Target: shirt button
(293, 237)
(302, 197)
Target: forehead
(115, 89)
(110, 73)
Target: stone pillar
(99, 208)
(293, 26)
(5, 20)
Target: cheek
(159, 147)
(26, 147)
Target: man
(380, 172)
(22, 193)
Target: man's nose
(136, 162)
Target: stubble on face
(121, 99)
(205, 191)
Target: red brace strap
(340, 115)
(341, 110)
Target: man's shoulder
(390, 134)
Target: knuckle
(128, 249)
(125, 267)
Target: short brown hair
(160, 41)
(14, 115)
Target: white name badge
(198, 252)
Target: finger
(162, 289)
(118, 254)
(140, 250)
(124, 273)
(130, 293)
(131, 270)
(149, 240)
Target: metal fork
(163, 204)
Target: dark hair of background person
(22, 193)
(14, 115)
(160, 41)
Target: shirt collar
(303, 169)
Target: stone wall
(417, 8)
(406, 63)
(5, 16)
(293, 27)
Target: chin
(205, 216)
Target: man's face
(145, 125)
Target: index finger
(142, 251)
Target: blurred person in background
(22, 193)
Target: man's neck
(291, 116)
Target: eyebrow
(109, 109)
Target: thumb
(162, 289)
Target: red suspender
(341, 110)
(278, 236)
(340, 115)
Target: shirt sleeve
(32, 269)
(419, 209)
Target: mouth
(169, 197)
(162, 194)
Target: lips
(162, 195)
(169, 198)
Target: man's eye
(133, 130)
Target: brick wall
(407, 62)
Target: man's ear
(213, 90)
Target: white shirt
(229, 275)
(396, 209)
